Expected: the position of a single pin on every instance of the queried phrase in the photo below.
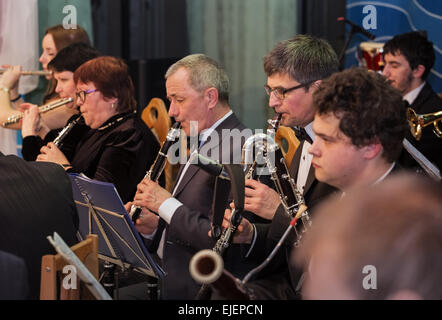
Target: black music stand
(102, 212)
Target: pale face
(297, 106)
(398, 71)
(186, 104)
(336, 160)
(95, 109)
(49, 52)
(66, 86)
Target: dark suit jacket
(187, 232)
(35, 200)
(13, 277)
(277, 280)
(429, 145)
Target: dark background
(152, 34)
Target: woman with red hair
(119, 148)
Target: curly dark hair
(415, 47)
(369, 108)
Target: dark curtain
(148, 34)
(318, 17)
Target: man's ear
(315, 84)
(211, 96)
(418, 71)
(372, 150)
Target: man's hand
(150, 195)
(244, 232)
(147, 223)
(261, 199)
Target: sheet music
(102, 212)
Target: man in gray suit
(197, 88)
(35, 200)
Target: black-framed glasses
(281, 92)
(82, 94)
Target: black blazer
(121, 153)
(35, 200)
(13, 277)
(32, 144)
(429, 145)
(187, 232)
(277, 280)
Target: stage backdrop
(394, 17)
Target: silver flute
(42, 109)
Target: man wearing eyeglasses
(294, 70)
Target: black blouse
(32, 144)
(121, 151)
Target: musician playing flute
(35, 131)
(119, 147)
(55, 39)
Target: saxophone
(206, 266)
(158, 165)
(291, 198)
(226, 237)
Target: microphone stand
(354, 29)
(347, 42)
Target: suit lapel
(191, 171)
(310, 179)
(294, 166)
(230, 122)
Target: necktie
(302, 135)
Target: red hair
(111, 77)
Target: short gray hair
(204, 72)
(304, 58)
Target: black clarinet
(157, 167)
(58, 141)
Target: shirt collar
(385, 174)
(412, 95)
(309, 129)
(205, 133)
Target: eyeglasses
(82, 94)
(280, 92)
